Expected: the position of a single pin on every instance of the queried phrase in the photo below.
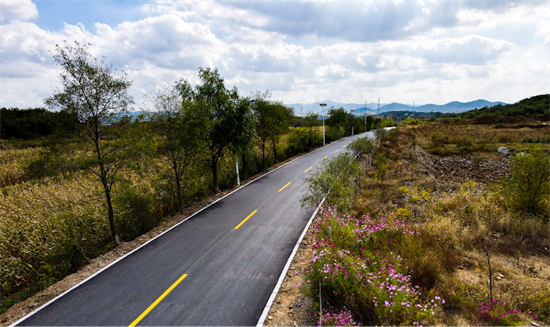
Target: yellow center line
(305, 171)
(324, 158)
(242, 222)
(285, 186)
(345, 146)
(138, 319)
(336, 151)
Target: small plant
(498, 313)
(342, 319)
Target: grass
(459, 228)
(452, 139)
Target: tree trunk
(110, 211)
(244, 170)
(178, 186)
(274, 150)
(107, 190)
(214, 168)
(263, 155)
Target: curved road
(217, 268)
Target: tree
(282, 117)
(311, 120)
(337, 118)
(97, 96)
(272, 120)
(180, 125)
(261, 108)
(230, 120)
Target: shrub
(333, 180)
(361, 145)
(528, 186)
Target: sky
(300, 51)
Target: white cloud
(354, 51)
(17, 10)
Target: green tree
(281, 118)
(262, 110)
(180, 125)
(311, 120)
(527, 188)
(97, 96)
(337, 118)
(230, 122)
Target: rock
(270, 317)
(534, 323)
(503, 151)
(33, 304)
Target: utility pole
(378, 112)
(323, 105)
(365, 116)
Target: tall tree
(311, 120)
(230, 122)
(261, 108)
(97, 95)
(281, 118)
(180, 125)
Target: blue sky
(301, 51)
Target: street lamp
(323, 105)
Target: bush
(335, 176)
(527, 188)
(361, 145)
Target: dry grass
(448, 139)
(474, 222)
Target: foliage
(528, 186)
(360, 145)
(337, 118)
(33, 123)
(413, 121)
(272, 120)
(333, 180)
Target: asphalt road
(205, 271)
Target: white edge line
(285, 269)
(159, 235)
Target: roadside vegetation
(436, 233)
(85, 175)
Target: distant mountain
(456, 106)
(371, 109)
(314, 107)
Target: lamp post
(323, 105)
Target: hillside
(533, 107)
